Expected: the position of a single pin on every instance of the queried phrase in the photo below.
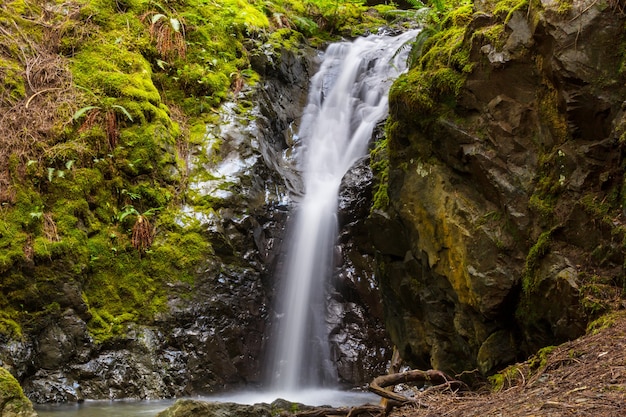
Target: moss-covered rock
(12, 399)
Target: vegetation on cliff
(101, 102)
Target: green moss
(11, 394)
(534, 256)
(565, 7)
(12, 83)
(494, 35)
(504, 379)
(540, 359)
(75, 206)
(550, 182)
(8, 326)
(120, 76)
(604, 322)
(552, 116)
(379, 162)
(412, 96)
(126, 286)
(504, 9)
(436, 77)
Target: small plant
(535, 254)
(506, 378)
(168, 33)
(143, 234)
(107, 118)
(142, 231)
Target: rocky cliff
(506, 183)
(146, 178)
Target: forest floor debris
(584, 377)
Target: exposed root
(584, 377)
(143, 234)
(431, 377)
(50, 228)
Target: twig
(584, 11)
(45, 90)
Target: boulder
(196, 408)
(13, 403)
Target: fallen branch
(433, 377)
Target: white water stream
(347, 98)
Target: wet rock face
(359, 341)
(213, 335)
(490, 236)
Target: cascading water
(347, 98)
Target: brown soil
(584, 377)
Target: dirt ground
(584, 377)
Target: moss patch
(11, 395)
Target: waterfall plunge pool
(150, 408)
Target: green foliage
(379, 162)
(115, 158)
(505, 378)
(540, 359)
(504, 9)
(604, 322)
(12, 84)
(551, 116)
(550, 183)
(9, 327)
(534, 256)
(438, 70)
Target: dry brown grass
(32, 122)
(50, 228)
(107, 119)
(143, 234)
(584, 377)
(168, 34)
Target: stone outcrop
(196, 408)
(504, 232)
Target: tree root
(436, 379)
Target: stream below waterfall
(150, 408)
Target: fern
(416, 4)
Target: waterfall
(347, 98)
